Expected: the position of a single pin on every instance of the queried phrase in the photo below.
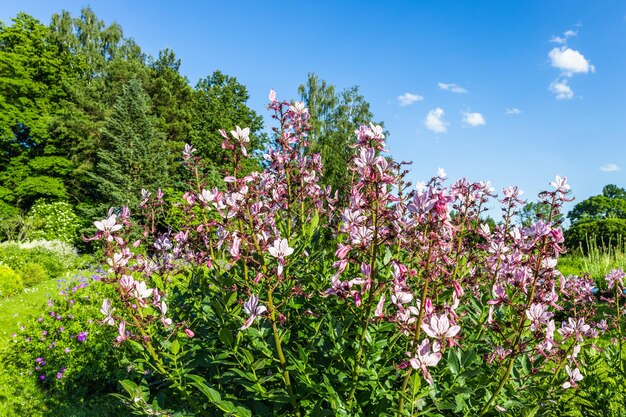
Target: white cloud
(569, 61)
(566, 35)
(452, 87)
(512, 110)
(473, 119)
(434, 121)
(570, 33)
(558, 39)
(610, 168)
(562, 90)
(407, 99)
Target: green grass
(597, 262)
(15, 310)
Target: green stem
(281, 355)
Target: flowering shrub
(273, 299)
(65, 349)
(53, 221)
(38, 260)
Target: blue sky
(558, 67)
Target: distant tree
(610, 204)
(334, 118)
(600, 220)
(135, 156)
(531, 212)
(219, 102)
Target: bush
(10, 281)
(606, 233)
(55, 257)
(53, 221)
(65, 350)
(32, 273)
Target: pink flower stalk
(426, 358)
(253, 309)
(440, 328)
(574, 376)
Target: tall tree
(33, 164)
(610, 204)
(219, 102)
(135, 156)
(334, 118)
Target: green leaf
(453, 362)
(175, 347)
(226, 336)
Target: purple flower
(42, 377)
(59, 375)
(82, 336)
(39, 360)
(67, 350)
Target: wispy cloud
(407, 99)
(452, 88)
(562, 90)
(610, 168)
(434, 121)
(513, 110)
(566, 35)
(473, 119)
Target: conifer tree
(134, 154)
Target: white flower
(240, 134)
(574, 376)
(280, 248)
(252, 308)
(107, 310)
(108, 224)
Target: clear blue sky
(558, 67)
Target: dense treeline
(88, 118)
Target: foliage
(10, 281)
(53, 221)
(64, 349)
(610, 204)
(334, 118)
(418, 306)
(219, 102)
(32, 273)
(531, 212)
(604, 233)
(55, 257)
(134, 157)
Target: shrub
(65, 349)
(32, 273)
(606, 233)
(55, 257)
(53, 221)
(10, 281)
(247, 310)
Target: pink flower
(574, 376)
(190, 334)
(424, 358)
(538, 314)
(379, 307)
(439, 328)
(121, 330)
(107, 310)
(252, 308)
